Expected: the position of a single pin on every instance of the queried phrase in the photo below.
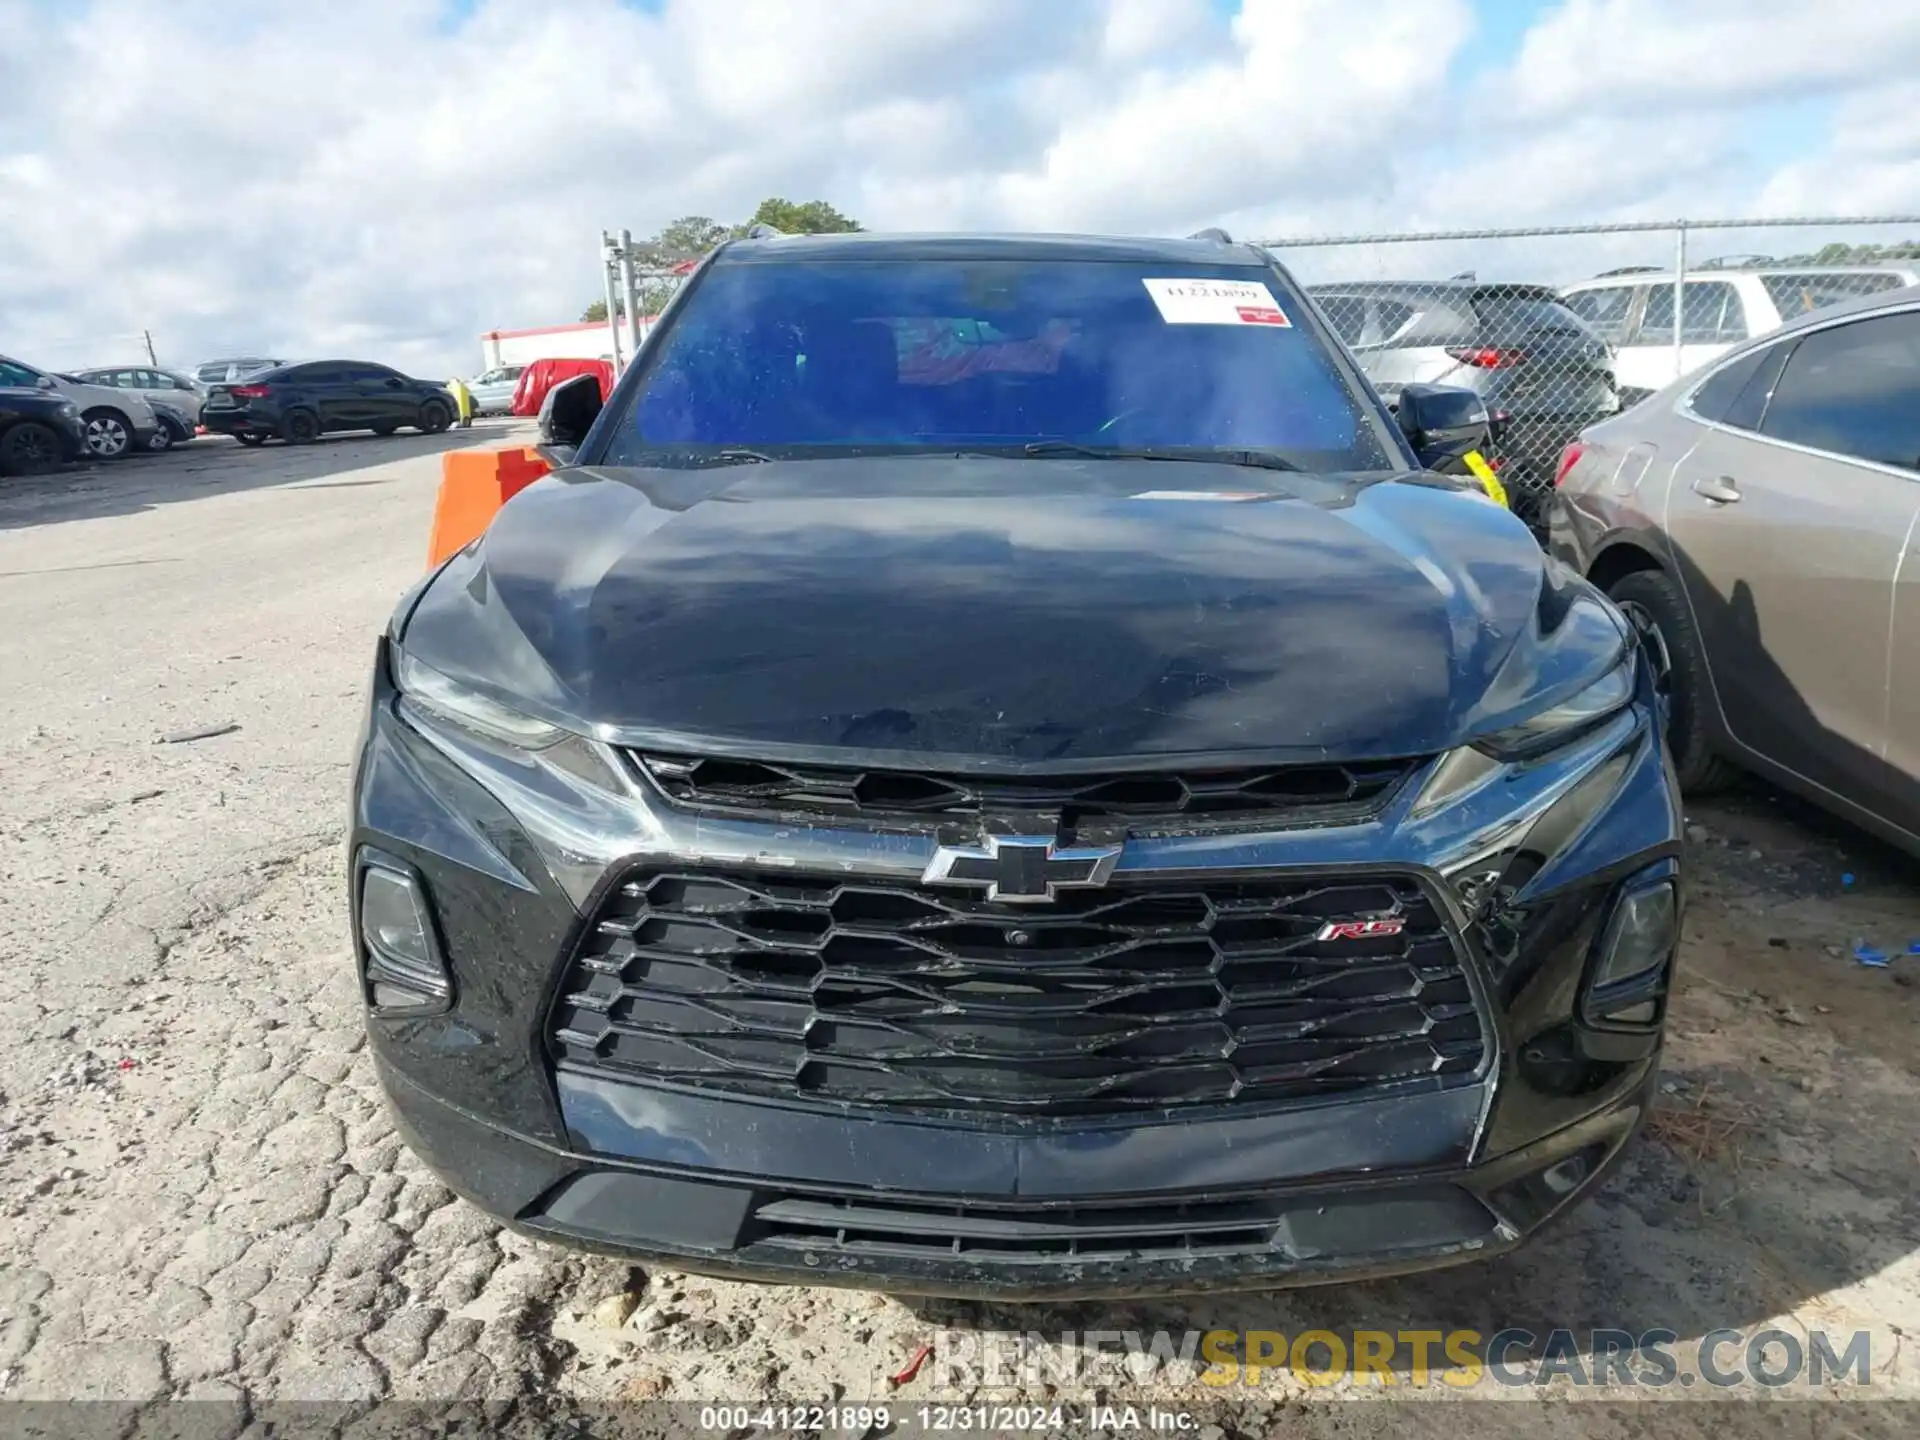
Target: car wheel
(250, 440)
(301, 427)
(434, 417)
(29, 449)
(1653, 603)
(162, 437)
(109, 436)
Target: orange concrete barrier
(474, 484)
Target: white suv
(1633, 311)
(117, 422)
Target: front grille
(1269, 794)
(1300, 1227)
(1133, 997)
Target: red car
(542, 375)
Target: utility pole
(631, 295)
(152, 359)
(609, 270)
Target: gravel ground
(200, 1194)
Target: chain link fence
(1557, 326)
(1560, 326)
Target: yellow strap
(1489, 481)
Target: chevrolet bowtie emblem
(1022, 868)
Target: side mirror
(566, 415)
(47, 382)
(1443, 423)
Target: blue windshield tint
(989, 354)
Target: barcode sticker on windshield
(1215, 302)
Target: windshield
(792, 358)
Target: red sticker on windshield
(1257, 315)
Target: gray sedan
(1758, 520)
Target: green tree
(813, 217)
(1839, 253)
(691, 236)
(687, 238)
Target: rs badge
(1361, 929)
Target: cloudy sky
(389, 178)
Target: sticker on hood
(1216, 302)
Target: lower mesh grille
(1299, 1227)
(1131, 997)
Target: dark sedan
(300, 403)
(992, 769)
(40, 430)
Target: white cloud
(1623, 55)
(362, 177)
(1871, 164)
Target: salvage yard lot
(200, 1192)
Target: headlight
(70, 410)
(1471, 768)
(1558, 724)
(433, 692)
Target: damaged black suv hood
(1012, 611)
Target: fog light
(405, 974)
(1636, 953)
(1565, 1178)
(1640, 936)
(1525, 1202)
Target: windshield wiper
(1253, 459)
(734, 455)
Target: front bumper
(513, 854)
(1176, 1229)
(72, 431)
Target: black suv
(1517, 346)
(992, 768)
(299, 403)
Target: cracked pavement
(201, 1195)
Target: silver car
(493, 391)
(162, 387)
(1759, 520)
(117, 423)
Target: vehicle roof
(1651, 276)
(1436, 287)
(869, 245)
(328, 360)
